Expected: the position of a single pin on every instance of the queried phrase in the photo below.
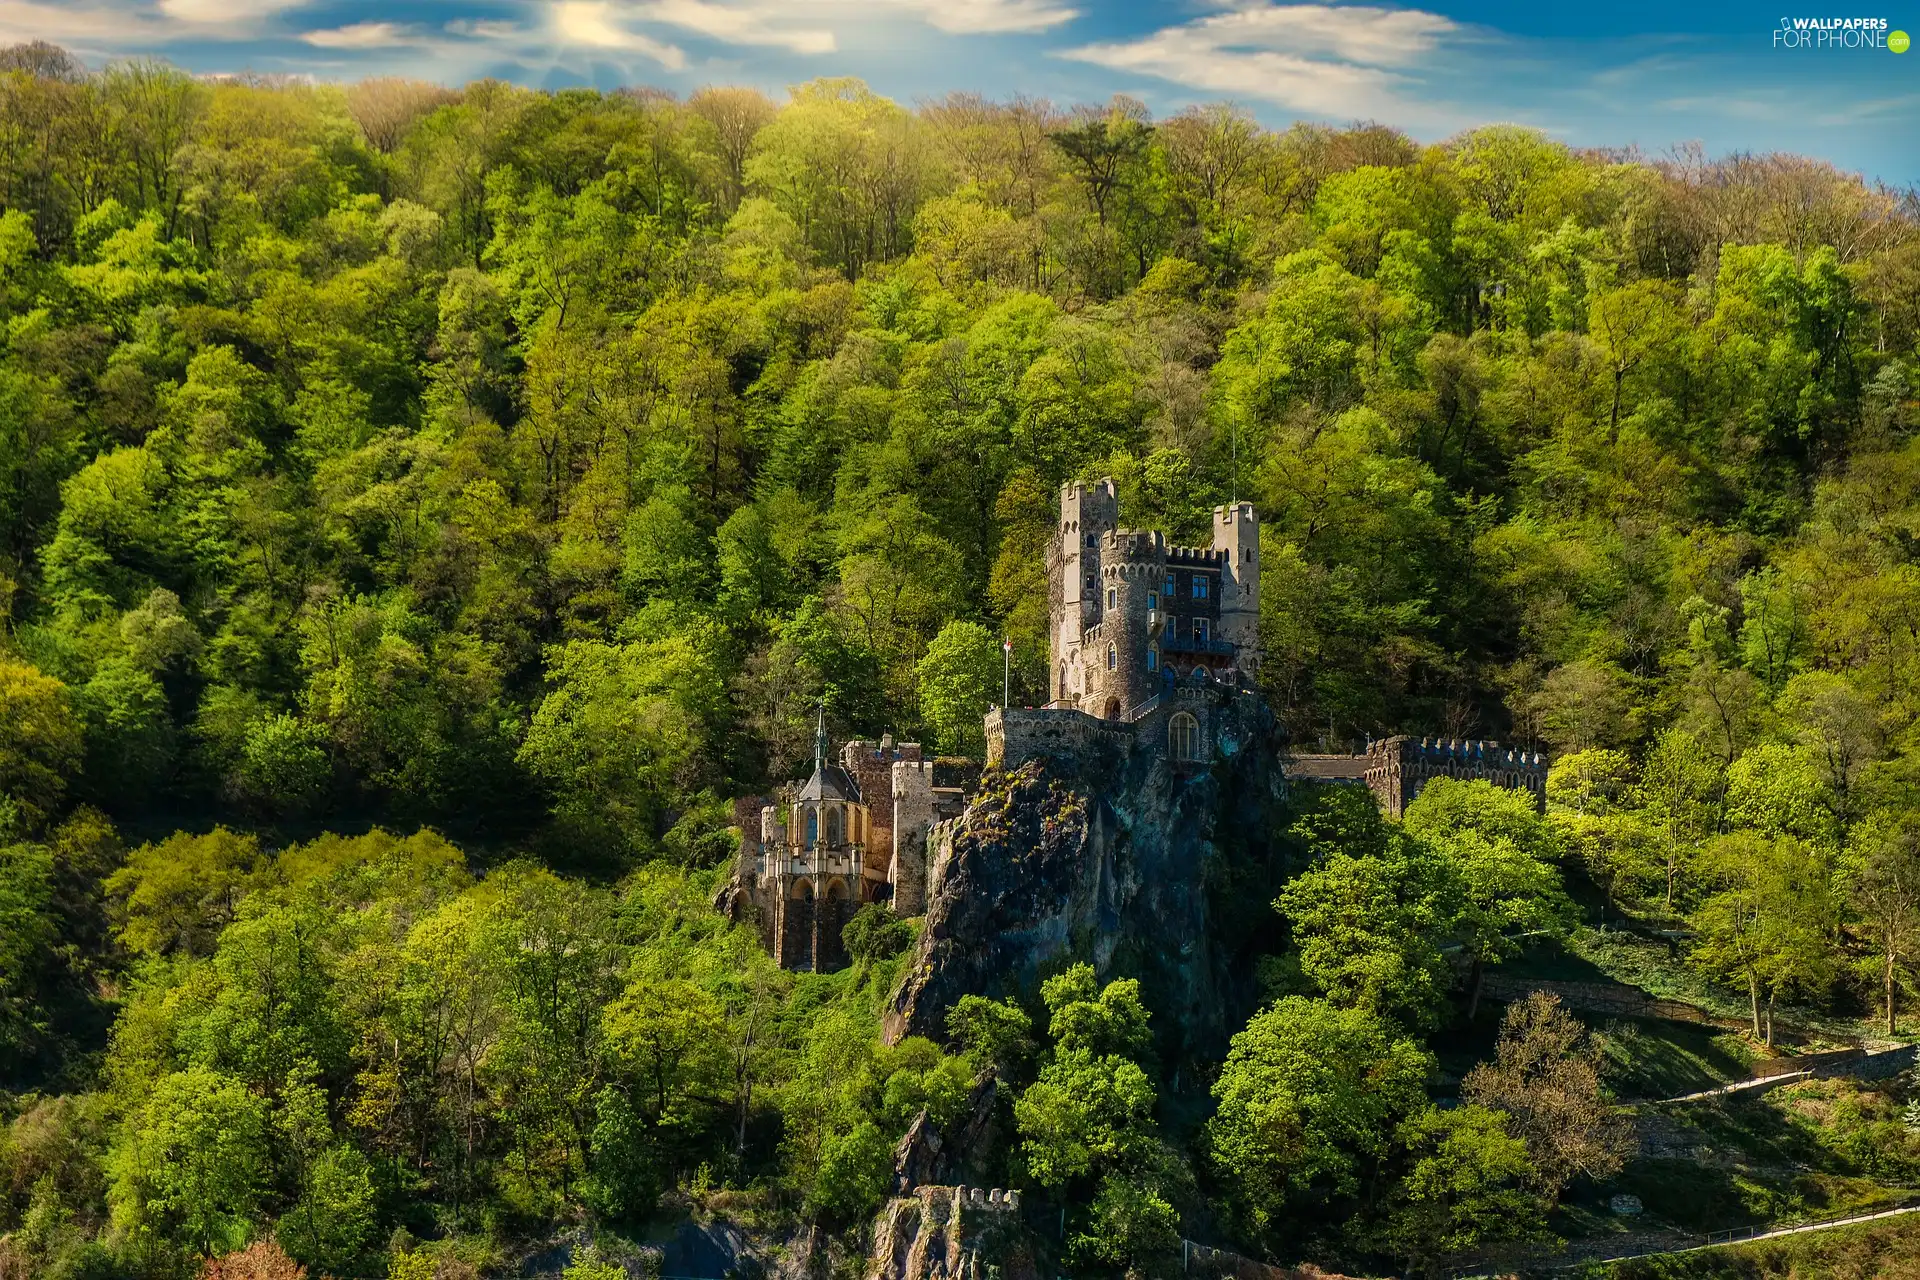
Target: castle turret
(1087, 514)
(912, 786)
(1236, 536)
(1119, 673)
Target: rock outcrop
(1113, 854)
(951, 1233)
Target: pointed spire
(820, 739)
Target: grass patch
(1890, 1248)
(1657, 966)
(1654, 1058)
(1697, 1197)
(1802, 1152)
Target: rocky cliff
(1112, 854)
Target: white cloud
(988, 17)
(238, 14)
(808, 27)
(361, 35)
(759, 24)
(483, 29)
(1347, 60)
(23, 20)
(592, 23)
(109, 28)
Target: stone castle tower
(1132, 616)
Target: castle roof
(829, 782)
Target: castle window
(813, 826)
(1153, 659)
(1199, 586)
(1113, 657)
(1183, 737)
(1153, 599)
(1200, 630)
(1112, 595)
(833, 827)
(1092, 541)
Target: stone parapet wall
(1016, 735)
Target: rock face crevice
(1114, 856)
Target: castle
(1153, 648)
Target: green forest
(424, 510)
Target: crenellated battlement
(908, 774)
(1480, 750)
(996, 1198)
(1138, 545)
(1076, 491)
(1397, 769)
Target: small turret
(1236, 536)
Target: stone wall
(1607, 998)
(1396, 769)
(1016, 735)
(1399, 767)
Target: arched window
(1183, 737)
(1092, 540)
(813, 825)
(833, 826)
(1113, 657)
(1060, 690)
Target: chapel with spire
(854, 832)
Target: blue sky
(1638, 73)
